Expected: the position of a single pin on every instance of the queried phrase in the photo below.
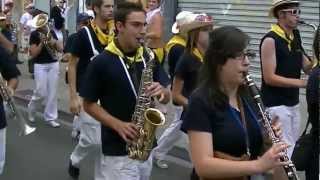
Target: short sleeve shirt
(69, 43)
(81, 48)
(173, 56)
(44, 57)
(106, 81)
(187, 69)
(8, 71)
(225, 125)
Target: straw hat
(39, 20)
(181, 19)
(196, 21)
(277, 3)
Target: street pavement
(44, 154)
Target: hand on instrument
(276, 126)
(156, 90)
(127, 131)
(271, 158)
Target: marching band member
(43, 44)
(282, 60)
(197, 26)
(9, 72)
(313, 101)
(113, 79)
(88, 43)
(224, 134)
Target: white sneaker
(53, 124)
(161, 164)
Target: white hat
(276, 3)
(39, 20)
(180, 19)
(196, 21)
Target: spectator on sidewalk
(25, 29)
(155, 26)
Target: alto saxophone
(25, 129)
(146, 118)
(290, 169)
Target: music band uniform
(8, 71)
(46, 74)
(108, 83)
(90, 131)
(284, 101)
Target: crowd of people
(108, 58)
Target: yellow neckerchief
(176, 39)
(112, 47)
(198, 54)
(111, 28)
(280, 32)
(103, 38)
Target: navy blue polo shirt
(173, 56)
(224, 124)
(106, 81)
(81, 48)
(187, 69)
(8, 71)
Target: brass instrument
(42, 21)
(290, 169)
(25, 129)
(146, 119)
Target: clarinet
(290, 169)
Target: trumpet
(25, 128)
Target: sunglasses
(294, 12)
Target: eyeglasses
(248, 53)
(293, 12)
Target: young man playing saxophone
(113, 79)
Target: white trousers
(289, 116)
(46, 78)
(89, 142)
(170, 135)
(124, 168)
(2, 149)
